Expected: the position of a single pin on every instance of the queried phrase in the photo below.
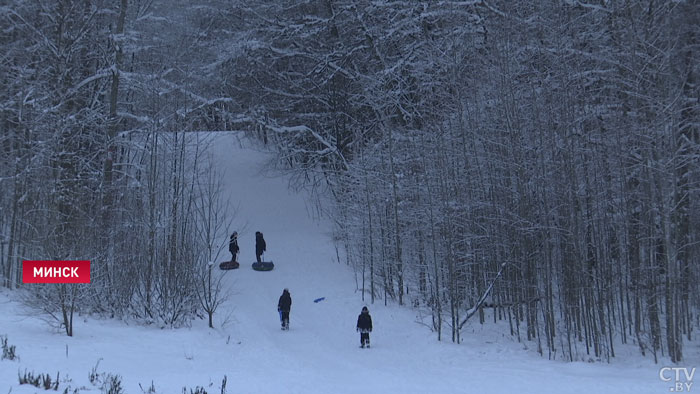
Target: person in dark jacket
(260, 246)
(233, 246)
(284, 305)
(364, 326)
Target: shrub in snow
(42, 380)
(107, 382)
(8, 351)
(197, 390)
(112, 384)
(150, 390)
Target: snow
(320, 353)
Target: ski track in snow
(320, 353)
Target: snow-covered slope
(320, 354)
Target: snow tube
(264, 266)
(227, 265)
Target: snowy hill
(320, 353)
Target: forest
(533, 163)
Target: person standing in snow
(364, 326)
(233, 246)
(260, 246)
(284, 305)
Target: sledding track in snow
(320, 353)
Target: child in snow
(259, 245)
(284, 305)
(364, 326)
(233, 246)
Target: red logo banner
(56, 271)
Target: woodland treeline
(532, 164)
(97, 101)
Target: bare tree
(213, 224)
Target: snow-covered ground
(320, 353)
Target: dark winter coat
(285, 302)
(364, 322)
(260, 246)
(233, 245)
